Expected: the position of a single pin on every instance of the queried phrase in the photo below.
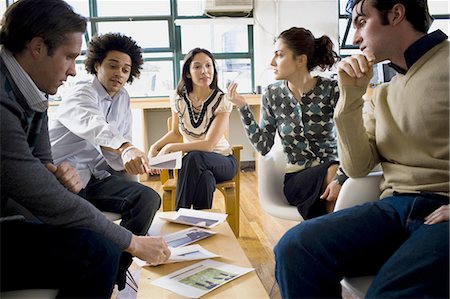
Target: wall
(319, 16)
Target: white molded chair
(354, 191)
(357, 191)
(271, 170)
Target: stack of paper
(196, 218)
(182, 254)
(167, 161)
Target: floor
(259, 233)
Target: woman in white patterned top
(300, 107)
(200, 116)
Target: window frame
(344, 44)
(174, 37)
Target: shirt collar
(102, 91)
(419, 48)
(35, 98)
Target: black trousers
(198, 176)
(78, 262)
(136, 203)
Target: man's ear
(397, 14)
(37, 47)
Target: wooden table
(225, 244)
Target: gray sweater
(24, 150)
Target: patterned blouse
(194, 126)
(306, 129)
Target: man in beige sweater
(402, 239)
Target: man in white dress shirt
(92, 132)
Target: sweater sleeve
(261, 136)
(26, 180)
(356, 135)
(42, 148)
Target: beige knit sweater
(406, 128)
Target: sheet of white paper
(167, 161)
(181, 254)
(187, 236)
(200, 278)
(196, 218)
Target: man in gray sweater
(72, 246)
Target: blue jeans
(386, 238)
(78, 262)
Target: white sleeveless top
(195, 126)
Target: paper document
(181, 254)
(187, 236)
(168, 161)
(200, 278)
(196, 218)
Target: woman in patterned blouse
(200, 116)
(300, 107)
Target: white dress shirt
(86, 120)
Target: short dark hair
(185, 83)
(100, 45)
(52, 20)
(416, 11)
(319, 51)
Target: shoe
(124, 263)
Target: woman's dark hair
(52, 20)
(319, 51)
(185, 84)
(100, 45)
(416, 11)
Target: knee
(295, 242)
(101, 250)
(150, 198)
(193, 159)
(208, 179)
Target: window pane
(238, 70)
(133, 8)
(343, 9)
(438, 7)
(80, 6)
(189, 8)
(2, 7)
(440, 24)
(342, 27)
(89, 36)
(215, 38)
(148, 34)
(156, 80)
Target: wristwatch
(340, 178)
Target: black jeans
(198, 176)
(136, 203)
(78, 262)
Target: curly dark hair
(100, 45)
(319, 51)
